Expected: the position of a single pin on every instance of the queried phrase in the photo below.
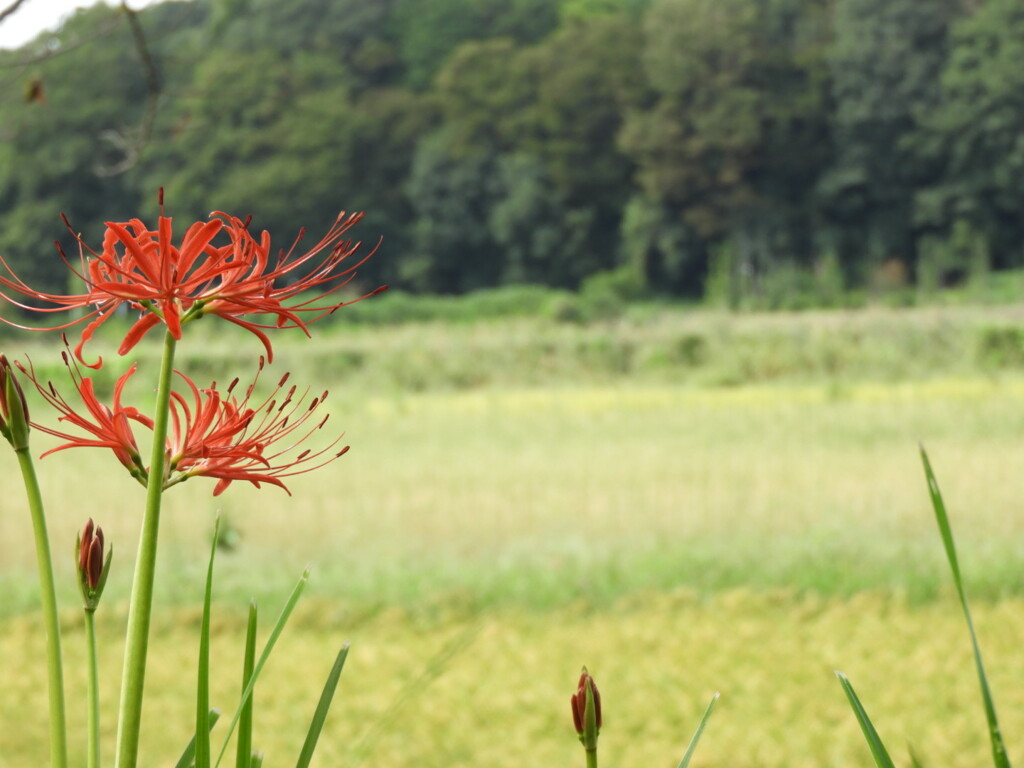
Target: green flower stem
(591, 758)
(55, 663)
(129, 721)
(93, 759)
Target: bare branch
(132, 146)
(11, 9)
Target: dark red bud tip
(90, 554)
(84, 542)
(577, 716)
(586, 722)
(95, 565)
(160, 196)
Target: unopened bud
(586, 711)
(13, 410)
(93, 564)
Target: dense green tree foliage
(977, 131)
(887, 59)
(731, 146)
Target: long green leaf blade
(999, 756)
(317, 725)
(244, 753)
(691, 748)
(275, 633)
(188, 756)
(203, 685)
(878, 751)
(416, 687)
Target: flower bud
(13, 410)
(93, 567)
(586, 711)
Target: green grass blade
(915, 761)
(878, 751)
(244, 753)
(322, 708)
(435, 667)
(202, 759)
(688, 755)
(275, 633)
(188, 756)
(999, 756)
(256, 761)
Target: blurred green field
(678, 535)
(502, 696)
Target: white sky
(36, 15)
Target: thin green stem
(129, 721)
(591, 758)
(55, 663)
(93, 759)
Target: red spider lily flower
(224, 437)
(171, 284)
(105, 427)
(211, 435)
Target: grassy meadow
(685, 502)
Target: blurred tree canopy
(694, 145)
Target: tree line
(680, 147)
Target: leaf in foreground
(243, 752)
(317, 725)
(188, 756)
(202, 740)
(999, 756)
(688, 755)
(878, 751)
(275, 633)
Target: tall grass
(649, 344)
(543, 497)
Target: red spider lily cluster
(223, 437)
(212, 434)
(106, 426)
(240, 279)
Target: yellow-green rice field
(477, 546)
